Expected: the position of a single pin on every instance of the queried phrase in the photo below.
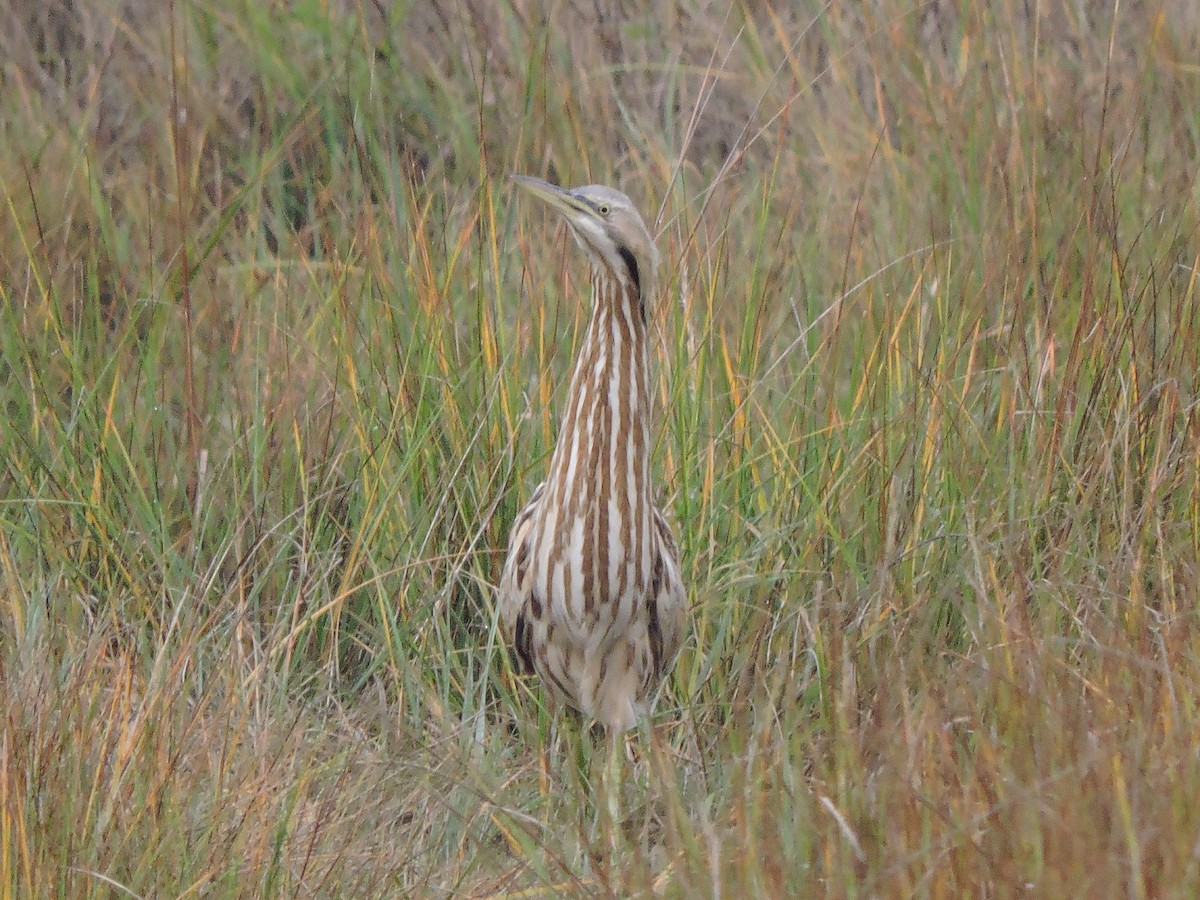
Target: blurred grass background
(282, 356)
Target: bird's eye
(603, 209)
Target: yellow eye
(603, 209)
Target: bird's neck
(606, 423)
(607, 407)
(596, 514)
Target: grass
(282, 356)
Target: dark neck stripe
(631, 264)
(635, 276)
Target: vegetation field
(282, 354)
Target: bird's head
(607, 226)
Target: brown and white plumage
(591, 598)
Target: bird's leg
(610, 791)
(577, 757)
(656, 781)
(581, 748)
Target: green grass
(282, 355)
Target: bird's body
(591, 597)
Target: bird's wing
(514, 589)
(668, 613)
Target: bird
(591, 598)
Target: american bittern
(591, 597)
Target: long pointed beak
(562, 200)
